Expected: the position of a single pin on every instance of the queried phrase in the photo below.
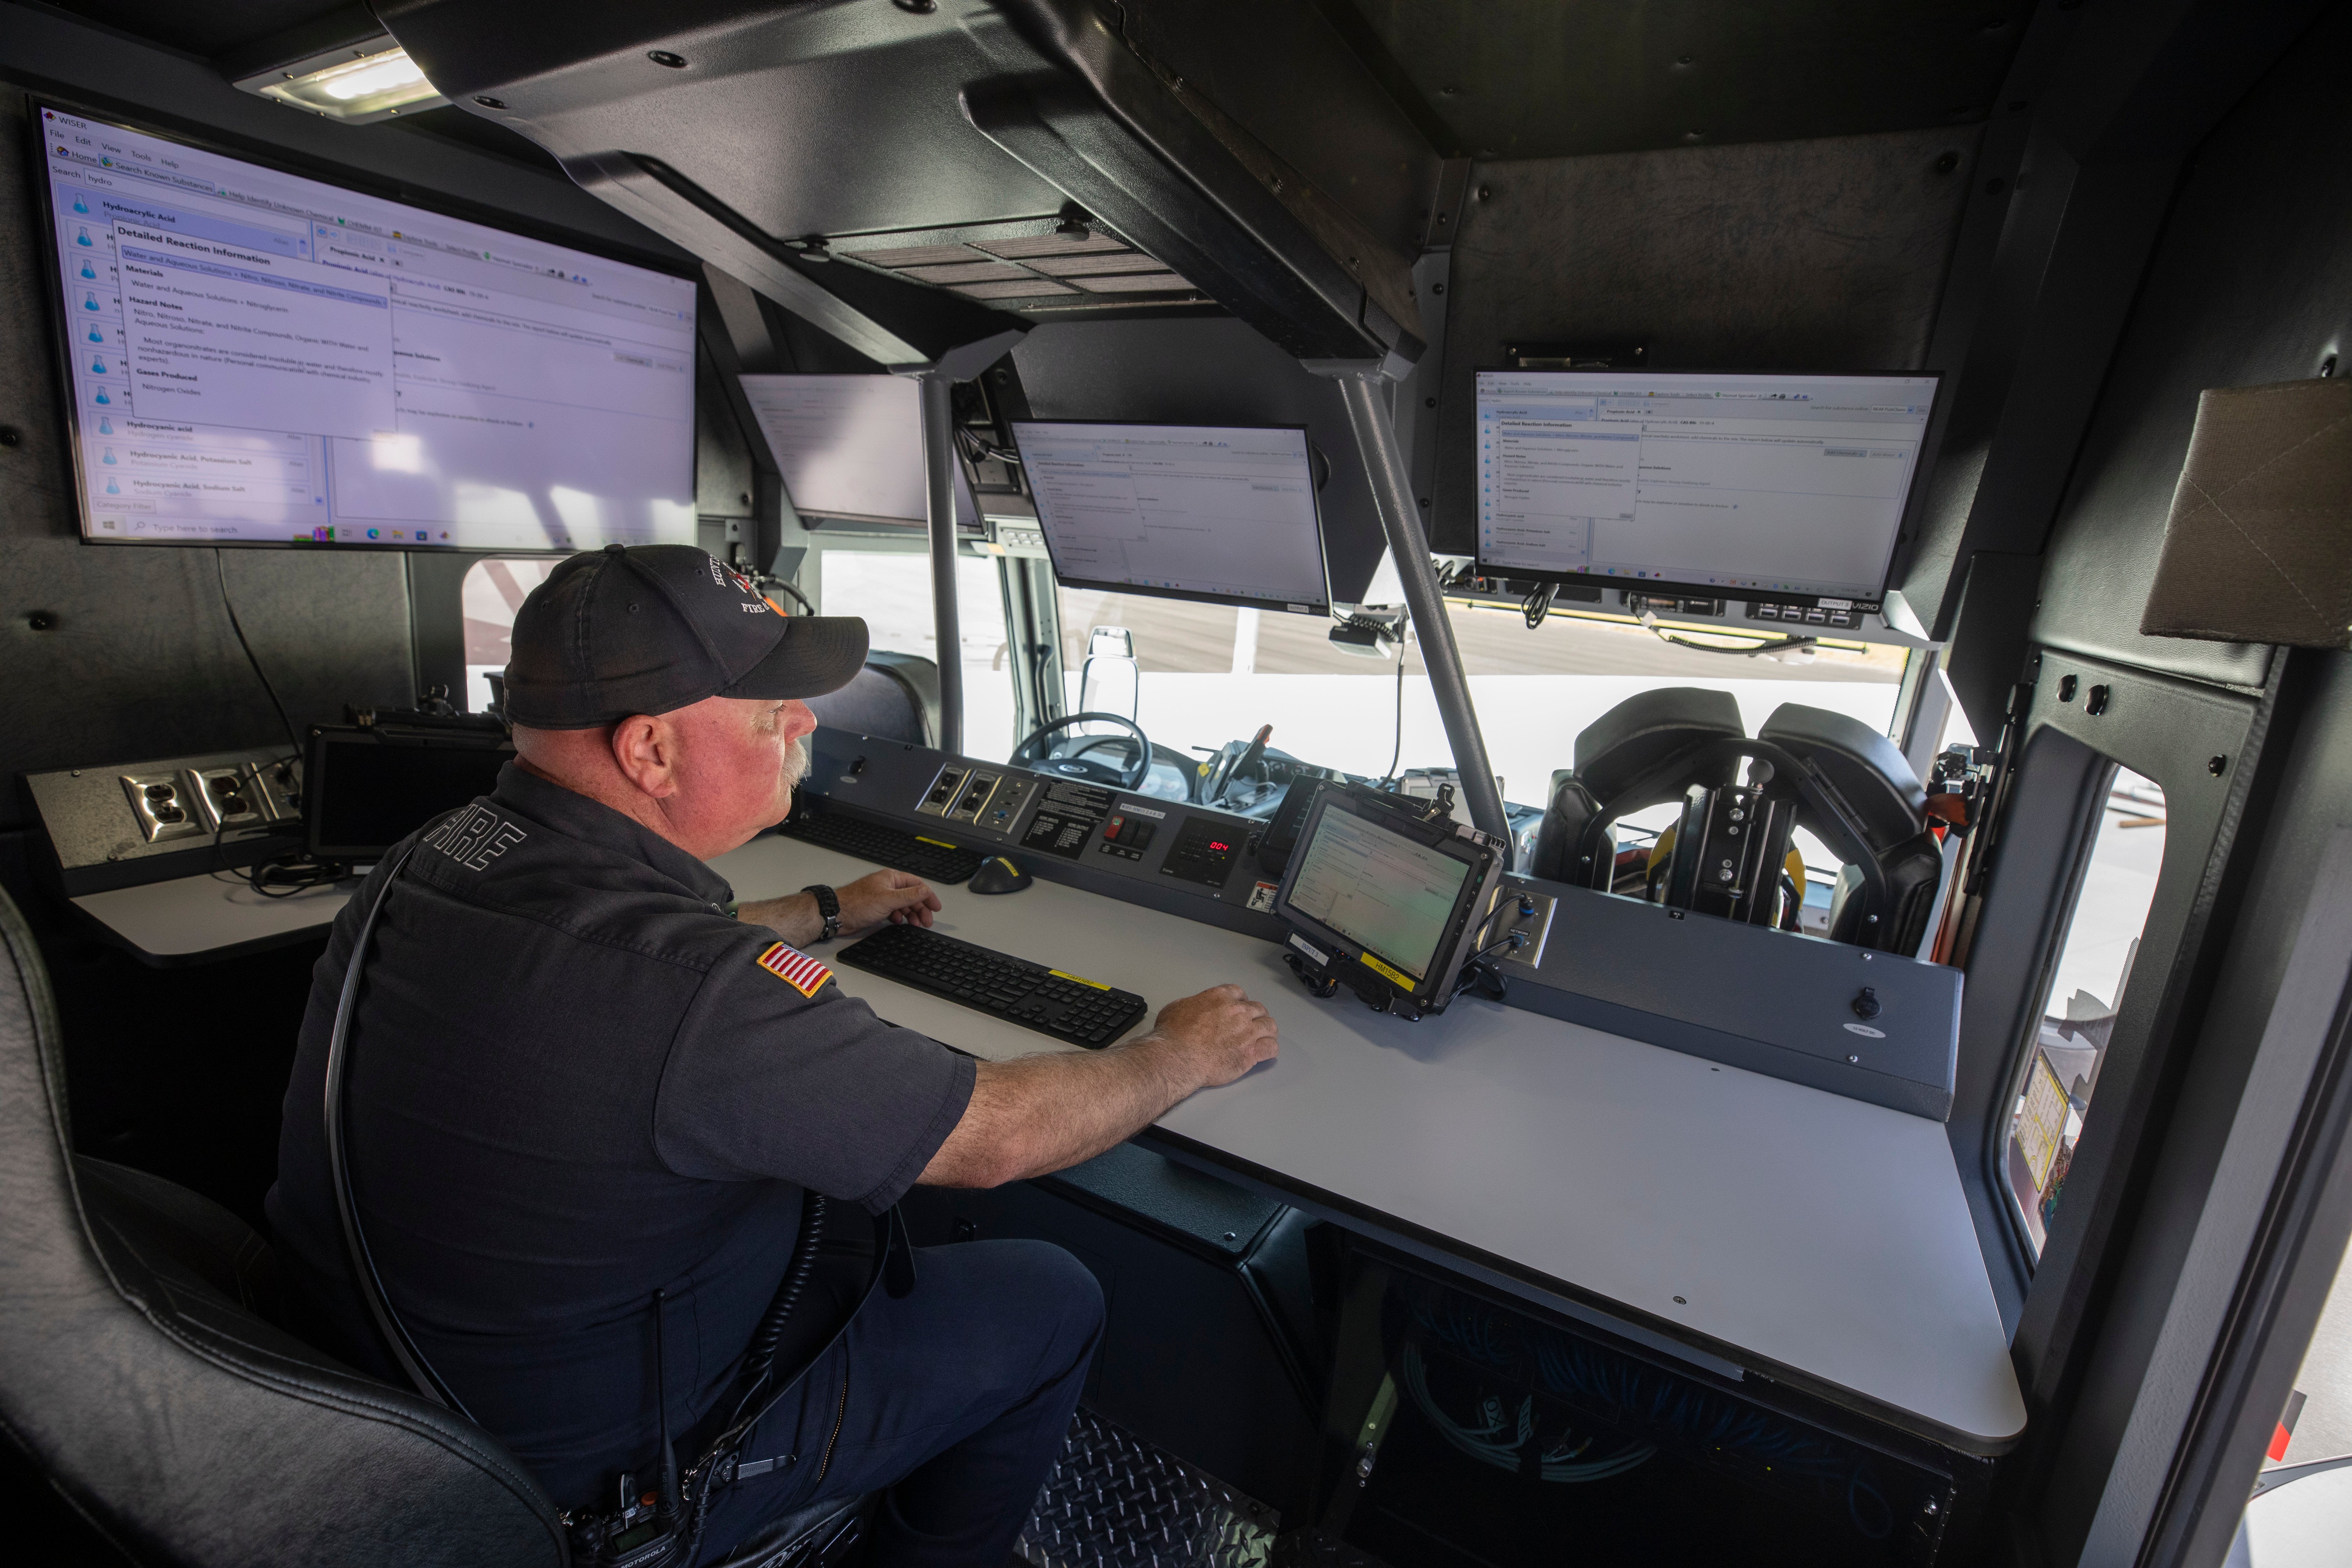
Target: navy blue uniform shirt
(573, 1081)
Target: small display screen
(366, 797)
(1387, 894)
(1225, 514)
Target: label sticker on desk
(1262, 895)
(1303, 946)
(1393, 976)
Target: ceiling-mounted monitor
(1779, 487)
(850, 447)
(258, 358)
(1223, 514)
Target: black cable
(220, 568)
(1750, 651)
(1396, 752)
(759, 1359)
(800, 598)
(1538, 604)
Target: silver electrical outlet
(226, 798)
(1507, 920)
(164, 804)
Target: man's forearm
(1042, 1113)
(793, 917)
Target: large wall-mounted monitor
(1776, 488)
(850, 447)
(1225, 514)
(256, 358)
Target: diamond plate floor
(1116, 1501)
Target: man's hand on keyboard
(1223, 1032)
(894, 896)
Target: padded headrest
(1642, 733)
(1865, 768)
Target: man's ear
(646, 754)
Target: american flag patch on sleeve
(796, 968)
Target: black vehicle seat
(143, 1375)
(1617, 751)
(139, 1373)
(895, 698)
(1873, 786)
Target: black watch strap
(828, 904)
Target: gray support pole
(1409, 547)
(939, 492)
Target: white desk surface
(190, 918)
(1795, 1226)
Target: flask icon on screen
(106, 400)
(81, 203)
(95, 335)
(81, 236)
(98, 365)
(90, 272)
(105, 425)
(111, 487)
(90, 302)
(110, 455)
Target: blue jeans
(954, 1399)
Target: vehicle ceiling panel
(1821, 255)
(212, 28)
(1541, 78)
(2252, 283)
(798, 148)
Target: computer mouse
(998, 875)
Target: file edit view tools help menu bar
(1726, 486)
(258, 358)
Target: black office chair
(895, 698)
(141, 1374)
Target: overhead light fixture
(373, 79)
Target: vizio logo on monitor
(256, 357)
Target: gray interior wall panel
(2252, 283)
(1823, 255)
(1209, 372)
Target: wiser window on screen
(1220, 513)
(1736, 486)
(258, 358)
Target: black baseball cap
(646, 628)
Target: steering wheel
(1036, 751)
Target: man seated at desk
(578, 1079)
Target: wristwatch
(828, 904)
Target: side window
(893, 593)
(491, 594)
(2060, 1072)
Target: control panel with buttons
(1127, 835)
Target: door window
(2061, 1068)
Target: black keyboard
(1043, 999)
(928, 859)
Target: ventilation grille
(1045, 267)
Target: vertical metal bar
(939, 495)
(1408, 546)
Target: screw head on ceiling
(664, 57)
(491, 102)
